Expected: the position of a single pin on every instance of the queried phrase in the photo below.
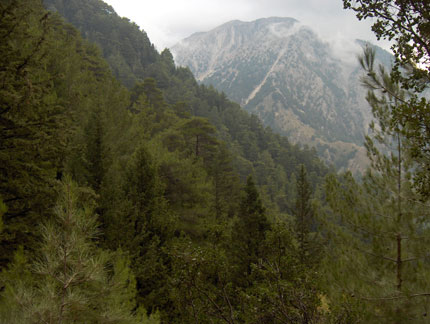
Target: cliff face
(283, 72)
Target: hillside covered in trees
(131, 194)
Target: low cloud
(168, 21)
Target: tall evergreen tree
(303, 212)
(137, 222)
(69, 282)
(199, 136)
(283, 290)
(3, 209)
(31, 138)
(202, 291)
(94, 150)
(383, 234)
(226, 183)
(249, 232)
(406, 24)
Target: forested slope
(116, 196)
(135, 58)
(166, 203)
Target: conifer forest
(132, 193)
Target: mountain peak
(263, 21)
(271, 20)
(204, 50)
(283, 72)
(260, 24)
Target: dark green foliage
(199, 137)
(248, 232)
(225, 183)
(50, 79)
(94, 150)
(202, 289)
(137, 221)
(305, 222)
(284, 289)
(280, 289)
(3, 209)
(153, 94)
(126, 48)
(52, 94)
(31, 120)
(69, 282)
(303, 211)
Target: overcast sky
(168, 21)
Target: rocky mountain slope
(295, 82)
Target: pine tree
(249, 232)
(383, 234)
(153, 94)
(282, 290)
(3, 209)
(199, 136)
(305, 219)
(201, 287)
(69, 282)
(30, 121)
(137, 222)
(405, 24)
(94, 149)
(225, 183)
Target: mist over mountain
(298, 84)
